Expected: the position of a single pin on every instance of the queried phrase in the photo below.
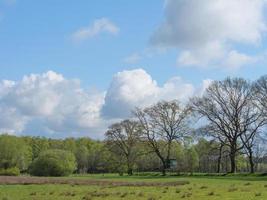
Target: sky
(72, 68)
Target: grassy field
(147, 187)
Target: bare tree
(232, 116)
(252, 137)
(162, 124)
(122, 139)
(260, 88)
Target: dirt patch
(10, 180)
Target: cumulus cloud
(133, 88)
(57, 104)
(51, 105)
(206, 31)
(102, 25)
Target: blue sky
(35, 37)
(161, 41)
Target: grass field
(147, 187)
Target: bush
(14, 171)
(53, 163)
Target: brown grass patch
(8, 180)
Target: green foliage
(53, 163)
(14, 152)
(95, 156)
(82, 156)
(14, 171)
(192, 159)
(38, 145)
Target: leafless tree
(162, 124)
(232, 117)
(122, 139)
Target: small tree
(53, 163)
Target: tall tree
(122, 140)
(232, 116)
(162, 124)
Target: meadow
(149, 187)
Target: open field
(136, 187)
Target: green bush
(14, 171)
(53, 163)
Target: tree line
(220, 131)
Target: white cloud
(206, 31)
(133, 58)
(128, 89)
(59, 105)
(211, 53)
(11, 121)
(137, 88)
(235, 60)
(99, 26)
(51, 105)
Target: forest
(221, 131)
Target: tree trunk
(129, 167)
(219, 160)
(251, 163)
(163, 161)
(233, 161)
(130, 171)
(163, 170)
(164, 167)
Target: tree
(38, 145)
(229, 108)
(98, 157)
(82, 158)
(208, 153)
(14, 152)
(53, 163)
(163, 123)
(122, 139)
(192, 159)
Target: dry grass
(7, 180)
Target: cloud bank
(51, 105)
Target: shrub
(14, 171)
(53, 163)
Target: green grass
(236, 187)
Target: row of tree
(220, 131)
(231, 113)
(51, 157)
